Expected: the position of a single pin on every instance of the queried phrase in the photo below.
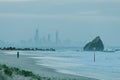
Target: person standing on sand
(17, 54)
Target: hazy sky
(78, 20)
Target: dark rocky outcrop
(94, 45)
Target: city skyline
(45, 41)
(38, 40)
(49, 40)
(77, 21)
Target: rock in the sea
(95, 45)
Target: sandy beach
(27, 63)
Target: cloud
(15, 0)
(64, 1)
(78, 1)
(87, 12)
(68, 17)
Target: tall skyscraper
(57, 37)
(49, 38)
(36, 39)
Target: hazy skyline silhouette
(77, 20)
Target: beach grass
(10, 71)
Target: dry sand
(27, 63)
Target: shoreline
(27, 63)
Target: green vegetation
(27, 73)
(7, 70)
(13, 70)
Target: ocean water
(106, 66)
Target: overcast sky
(78, 20)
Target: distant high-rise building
(36, 39)
(49, 38)
(57, 37)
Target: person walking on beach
(17, 54)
